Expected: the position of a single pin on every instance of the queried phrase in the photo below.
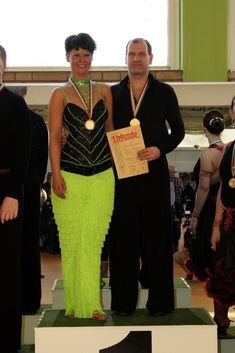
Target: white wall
(188, 93)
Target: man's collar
(125, 81)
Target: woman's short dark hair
(81, 40)
(214, 122)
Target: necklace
(212, 143)
(84, 92)
(80, 82)
(84, 89)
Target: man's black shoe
(122, 313)
(160, 313)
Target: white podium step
(188, 330)
(29, 322)
(182, 293)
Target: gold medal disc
(134, 122)
(231, 183)
(90, 124)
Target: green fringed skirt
(83, 219)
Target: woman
(83, 181)
(206, 175)
(221, 283)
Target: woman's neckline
(80, 82)
(214, 142)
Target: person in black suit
(15, 137)
(141, 221)
(31, 267)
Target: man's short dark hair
(81, 40)
(138, 40)
(3, 54)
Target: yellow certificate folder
(124, 144)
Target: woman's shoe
(71, 314)
(99, 316)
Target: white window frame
(174, 34)
(231, 35)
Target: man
(31, 266)
(14, 158)
(141, 226)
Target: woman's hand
(194, 226)
(9, 209)
(215, 238)
(59, 186)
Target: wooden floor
(51, 269)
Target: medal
(231, 183)
(90, 124)
(134, 122)
(136, 105)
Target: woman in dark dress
(221, 283)
(206, 175)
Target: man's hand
(149, 153)
(9, 209)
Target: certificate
(124, 144)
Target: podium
(29, 322)
(182, 294)
(189, 330)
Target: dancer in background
(206, 175)
(221, 283)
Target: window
(34, 32)
(231, 36)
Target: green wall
(204, 32)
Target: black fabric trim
(87, 171)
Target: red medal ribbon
(136, 105)
(88, 107)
